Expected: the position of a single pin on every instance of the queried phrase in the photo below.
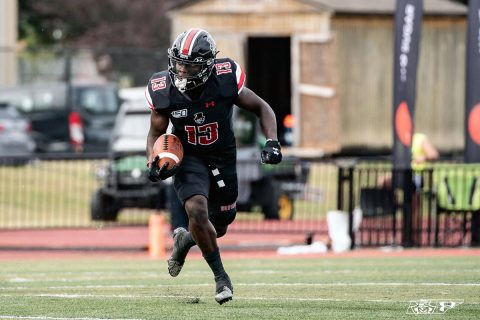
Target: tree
(94, 23)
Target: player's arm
(248, 100)
(158, 126)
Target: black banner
(408, 20)
(472, 104)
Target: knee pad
(222, 215)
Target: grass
(293, 288)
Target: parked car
(272, 188)
(76, 117)
(16, 142)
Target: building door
(269, 75)
(315, 104)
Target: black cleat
(224, 289)
(179, 252)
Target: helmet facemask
(191, 59)
(188, 75)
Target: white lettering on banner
(407, 31)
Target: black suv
(54, 109)
(270, 188)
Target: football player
(197, 94)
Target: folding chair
(458, 193)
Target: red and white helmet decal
(188, 41)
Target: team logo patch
(179, 113)
(199, 118)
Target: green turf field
(293, 288)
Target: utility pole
(8, 41)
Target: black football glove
(155, 173)
(272, 152)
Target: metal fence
(57, 191)
(439, 206)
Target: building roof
(430, 7)
(353, 7)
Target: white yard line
(133, 296)
(259, 284)
(55, 318)
(335, 284)
(98, 276)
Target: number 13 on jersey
(204, 135)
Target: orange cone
(156, 235)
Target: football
(169, 149)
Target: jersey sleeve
(240, 77)
(148, 97)
(231, 77)
(156, 92)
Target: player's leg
(205, 235)
(221, 216)
(222, 212)
(192, 179)
(200, 227)
(178, 215)
(182, 240)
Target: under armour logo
(275, 151)
(209, 104)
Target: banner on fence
(408, 20)
(472, 104)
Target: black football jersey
(204, 125)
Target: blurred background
(73, 120)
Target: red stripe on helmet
(188, 41)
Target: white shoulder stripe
(240, 75)
(238, 72)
